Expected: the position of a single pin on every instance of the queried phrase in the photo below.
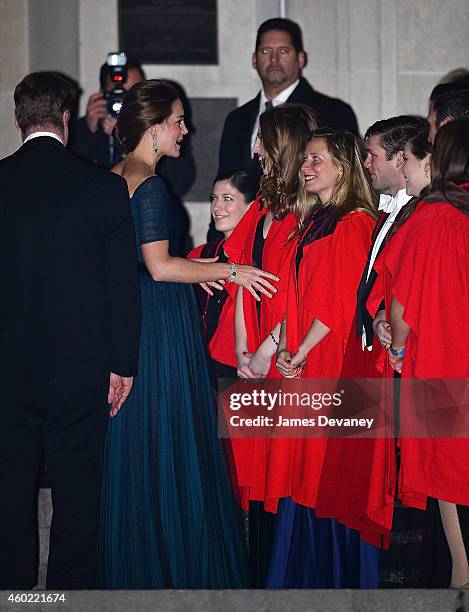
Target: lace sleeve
(152, 210)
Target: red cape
(250, 455)
(325, 288)
(426, 267)
(358, 478)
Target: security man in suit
(279, 58)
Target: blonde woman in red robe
(337, 218)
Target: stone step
(255, 600)
(385, 600)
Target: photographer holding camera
(91, 137)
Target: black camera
(117, 63)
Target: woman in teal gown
(169, 518)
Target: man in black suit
(69, 330)
(279, 58)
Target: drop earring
(154, 146)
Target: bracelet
(273, 337)
(233, 273)
(400, 352)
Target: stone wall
(14, 64)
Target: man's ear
(254, 61)
(301, 59)
(17, 125)
(399, 159)
(66, 119)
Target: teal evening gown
(169, 519)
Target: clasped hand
(290, 366)
(383, 332)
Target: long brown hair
(284, 131)
(353, 190)
(450, 165)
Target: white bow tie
(385, 203)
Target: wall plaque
(208, 118)
(169, 31)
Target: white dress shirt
(280, 99)
(38, 134)
(392, 205)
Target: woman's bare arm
(163, 267)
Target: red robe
(250, 454)
(325, 288)
(358, 479)
(222, 344)
(426, 268)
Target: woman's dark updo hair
(144, 105)
(419, 144)
(245, 182)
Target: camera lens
(116, 107)
(114, 100)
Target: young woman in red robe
(426, 272)
(338, 215)
(368, 465)
(230, 200)
(268, 226)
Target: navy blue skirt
(314, 553)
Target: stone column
(14, 65)
(53, 36)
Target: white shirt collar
(390, 204)
(281, 98)
(38, 134)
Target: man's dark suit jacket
(235, 146)
(363, 317)
(69, 296)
